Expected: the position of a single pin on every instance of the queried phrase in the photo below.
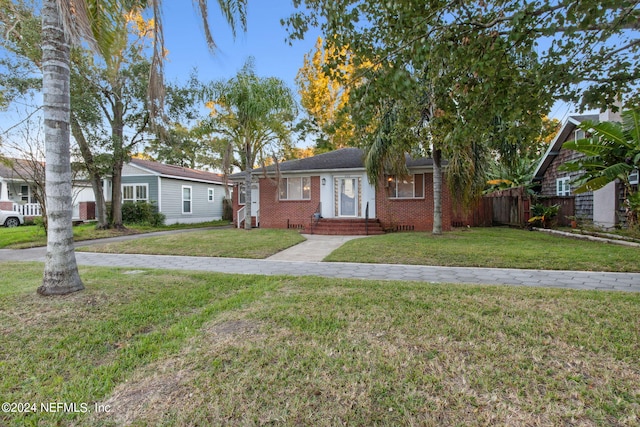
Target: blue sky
(264, 40)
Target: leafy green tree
(587, 49)
(108, 98)
(254, 117)
(187, 140)
(461, 81)
(611, 152)
(519, 168)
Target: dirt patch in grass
(166, 386)
(149, 396)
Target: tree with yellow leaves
(325, 97)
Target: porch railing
(241, 216)
(366, 219)
(315, 217)
(28, 209)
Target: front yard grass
(183, 348)
(498, 247)
(257, 243)
(32, 235)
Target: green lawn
(490, 247)
(179, 348)
(32, 235)
(231, 242)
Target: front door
(348, 197)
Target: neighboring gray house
(183, 195)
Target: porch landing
(346, 227)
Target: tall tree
(252, 114)
(325, 98)
(109, 98)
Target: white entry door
(348, 197)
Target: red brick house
(330, 194)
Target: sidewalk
(315, 248)
(294, 265)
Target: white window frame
(563, 186)
(284, 184)
(135, 192)
(211, 195)
(392, 184)
(25, 197)
(190, 200)
(242, 196)
(633, 177)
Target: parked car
(11, 218)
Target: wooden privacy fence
(567, 207)
(511, 207)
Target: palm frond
(607, 132)
(592, 184)
(631, 124)
(385, 154)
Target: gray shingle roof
(556, 145)
(344, 158)
(19, 169)
(178, 171)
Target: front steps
(346, 227)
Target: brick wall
(275, 213)
(402, 214)
(412, 214)
(87, 210)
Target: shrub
(543, 215)
(143, 213)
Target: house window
(563, 188)
(298, 188)
(242, 196)
(135, 193)
(210, 194)
(410, 187)
(633, 177)
(24, 193)
(579, 135)
(186, 199)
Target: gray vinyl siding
(201, 209)
(150, 180)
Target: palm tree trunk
(247, 186)
(437, 191)
(60, 270)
